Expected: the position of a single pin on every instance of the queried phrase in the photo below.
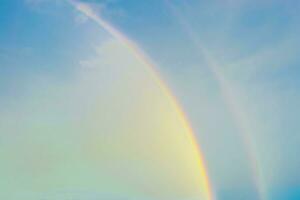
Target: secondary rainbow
(237, 111)
(89, 12)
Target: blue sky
(233, 65)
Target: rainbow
(89, 12)
(233, 104)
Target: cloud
(271, 58)
(107, 9)
(81, 19)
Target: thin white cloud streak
(89, 12)
(273, 57)
(238, 113)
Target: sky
(160, 99)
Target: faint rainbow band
(238, 112)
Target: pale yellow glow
(147, 136)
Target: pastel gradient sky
(98, 97)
